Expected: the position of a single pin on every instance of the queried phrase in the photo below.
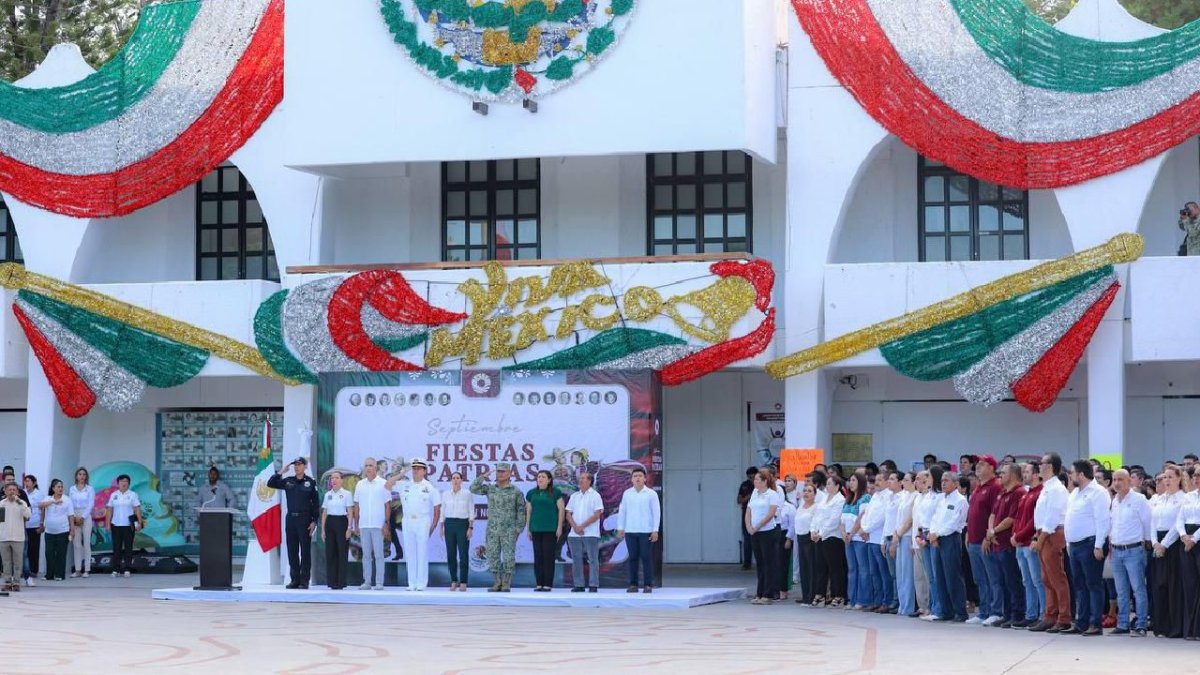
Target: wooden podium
(216, 550)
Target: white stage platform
(661, 598)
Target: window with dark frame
(10, 246)
(232, 239)
(964, 218)
(699, 202)
(492, 210)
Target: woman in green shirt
(544, 521)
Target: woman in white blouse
(802, 525)
(762, 522)
(1187, 525)
(83, 501)
(56, 512)
(830, 570)
(458, 524)
(1166, 587)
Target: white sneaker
(126, 575)
(114, 574)
(931, 617)
(992, 620)
(365, 587)
(75, 575)
(30, 582)
(974, 621)
(85, 574)
(379, 587)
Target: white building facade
(705, 112)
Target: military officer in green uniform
(505, 520)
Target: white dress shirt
(1164, 510)
(337, 502)
(828, 518)
(923, 510)
(418, 499)
(760, 505)
(640, 512)
(1087, 514)
(372, 497)
(950, 517)
(1130, 519)
(1051, 507)
(35, 500)
(787, 519)
(874, 513)
(892, 519)
(583, 505)
(459, 504)
(1189, 513)
(122, 505)
(57, 513)
(803, 521)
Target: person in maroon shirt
(1003, 557)
(982, 504)
(1027, 558)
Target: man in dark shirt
(1002, 561)
(743, 498)
(300, 521)
(982, 504)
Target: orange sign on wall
(799, 462)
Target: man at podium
(215, 494)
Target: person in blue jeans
(858, 583)
(1027, 558)
(1130, 538)
(638, 520)
(945, 539)
(1002, 558)
(987, 578)
(929, 483)
(1086, 528)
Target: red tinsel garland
(758, 272)
(252, 92)
(73, 394)
(718, 356)
(858, 52)
(1038, 389)
(390, 293)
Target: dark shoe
(1039, 627)
(959, 619)
(631, 589)
(745, 568)
(1139, 632)
(1070, 630)
(892, 610)
(1119, 631)
(304, 587)
(577, 589)
(292, 586)
(1094, 630)
(1004, 624)
(593, 589)
(648, 589)
(1023, 623)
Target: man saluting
(505, 520)
(301, 520)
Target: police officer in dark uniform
(303, 509)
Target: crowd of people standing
(1034, 545)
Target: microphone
(213, 490)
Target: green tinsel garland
(268, 336)
(607, 346)
(155, 360)
(946, 350)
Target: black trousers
(544, 546)
(458, 558)
(808, 562)
(336, 550)
(1166, 592)
(122, 547)
(1190, 567)
(747, 545)
(33, 542)
(832, 571)
(299, 546)
(766, 560)
(56, 555)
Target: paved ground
(126, 631)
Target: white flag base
(261, 567)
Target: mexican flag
(263, 505)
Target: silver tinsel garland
(989, 380)
(214, 46)
(306, 328)
(933, 42)
(116, 389)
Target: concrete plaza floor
(111, 625)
